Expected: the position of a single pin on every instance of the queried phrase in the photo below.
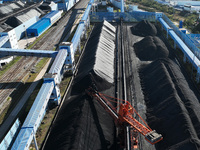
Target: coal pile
(45, 6)
(172, 107)
(13, 22)
(151, 48)
(144, 28)
(81, 125)
(97, 65)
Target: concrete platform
(23, 42)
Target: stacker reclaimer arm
(125, 116)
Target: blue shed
(39, 27)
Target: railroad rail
(23, 67)
(121, 87)
(16, 74)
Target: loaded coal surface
(144, 28)
(151, 48)
(82, 123)
(172, 107)
(97, 65)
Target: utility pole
(25, 35)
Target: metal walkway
(186, 51)
(27, 52)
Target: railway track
(121, 74)
(13, 77)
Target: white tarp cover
(6, 9)
(28, 15)
(97, 65)
(20, 3)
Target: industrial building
(37, 28)
(48, 6)
(182, 3)
(15, 26)
(18, 32)
(65, 56)
(66, 4)
(44, 23)
(9, 8)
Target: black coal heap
(151, 48)
(144, 28)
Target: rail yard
(11, 80)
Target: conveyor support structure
(34, 118)
(186, 51)
(27, 52)
(3, 40)
(49, 92)
(75, 43)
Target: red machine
(124, 116)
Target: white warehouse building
(16, 26)
(182, 3)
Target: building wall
(116, 3)
(6, 45)
(193, 3)
(62, 6)
(39, 27)
(20, 30)
(70, 4)
(54, 7)
(13, 39)
(3, 33)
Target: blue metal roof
(39, 23)
(51, 14)
(87, 11)
(39, 27)
(77, 35)
(189, 54)
(8, 139)
(27, 52)
(193, 59)
(195, 38)
(164, 24)
(34, 117)
(161, 2)
(39, 106)
(3, 40)
(37, 111)
(59, 61)
(24, 139)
